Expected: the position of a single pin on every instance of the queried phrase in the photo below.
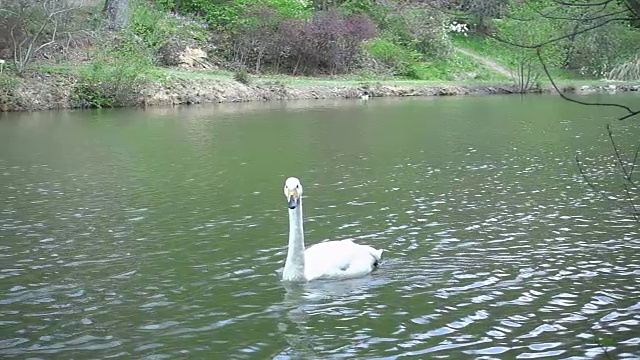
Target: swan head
(293, 192)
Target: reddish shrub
(328, 43)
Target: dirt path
(487, 62)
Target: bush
(153, 26)
(116, 78)
(594, 53)
(328, 43)
(417, 28)
(242, 77)
(8, 85)
(401, 60)
(157, 28)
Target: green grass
(61, 69)
(505, 55)
(456, 71)
(459, 67)
(501, 54)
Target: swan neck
(294, 265)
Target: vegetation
(116, 76)
(126, 42)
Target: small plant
(116, 78)
(242, 77)
(8, 85)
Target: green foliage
(402, 60)
(595, 52)
(590, 53)
(225, 14)
(165, 4)
(525, 26)
(242, 77)
(411, 64)
(418, 28)
(152, 25)
(8, 84)
(116, 78)
(358, 7)
(156, 27)
(455, 68)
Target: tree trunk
(116, 13)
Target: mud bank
(48, 92)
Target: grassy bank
(278, 49)
(58, 87)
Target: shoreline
(55, 92)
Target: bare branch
(621, 162)
(632, 114)
(586, 179)
(556, 39)
(25, 49)
(553, 83)
(589, 18)
(583, 4)
(634, 210)
(635, 159)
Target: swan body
(340, 259)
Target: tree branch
(562, 95)
(556, 39)
(634, 210)
(621, 162)
(583, 4)
(586, 179)
(584, 19)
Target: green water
(153, 234)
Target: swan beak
(293, 199)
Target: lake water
(157, 234)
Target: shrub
(327, 43)
(157, 28)
(418, 28)
(242, 77)
(8, 85)
(226, 14)
(401, 60)
(594, 52)
(116, 78)
(153, 26)
(428, 33)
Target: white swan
(328, 260)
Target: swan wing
(340, 259)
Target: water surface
(157, 233)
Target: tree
(116, 13)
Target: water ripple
(162, 239)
